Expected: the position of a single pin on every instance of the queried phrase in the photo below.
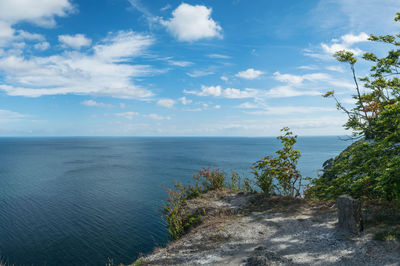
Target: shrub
(279, 174)
(264, 180)
(235, 181)
(365, 169)
(370, 168)
(248, 185)
(174, 210)
(211, 180)
(178, 221)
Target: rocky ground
(250, 229)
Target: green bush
(369, 168)
(279, 174)
(248, 185)
(235, 181)
(366, 170)
(178, 221)
(211, 180)
(174, 210)
(263, 180)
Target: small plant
(248, 185)
(280, 173)
(190, 220)
(178, 221)
(211, 180)
(263, 180)
(388, 235)
(139, 262)
(174, 210)
(235, 181)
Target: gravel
(234, 234)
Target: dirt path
(239, 229)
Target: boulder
(349, 214)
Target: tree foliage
(280, 173)
(370, 167)
(369, 117)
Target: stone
(349, 214)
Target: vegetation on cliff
(370, 167)
(272, 175)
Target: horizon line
(117, 136)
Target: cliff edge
(251, 229)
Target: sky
(181, 68)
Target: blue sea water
(84, 200)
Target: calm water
(80, 201)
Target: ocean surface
(85, 200)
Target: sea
(93, 200)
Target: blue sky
(173, 68)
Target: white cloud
(180, 63)
(192, 23)
(102, 72)
(24, 35)
(42, 46)
(6, 32)
(302, 85)
(298, 79)
(335, 47)
(350, 39)
(307, 67)
(74, 41)
(193, 109)
(166, 7)
(9, 35)
(289, 78)
(151, 19)
(157, 117)
(217, 91)
(132, 115)
(219, 56)
(217, 106)
(289, 91)
(185, 101)
(248, 105)
(270, 126)
(199, 73)
(249, 74)
(168, 103)
(224, 78)
(314, 78)
(127, 115)
(40, 12)
(93, 103)
(123, 45)
(335, 68)
(286, 110)
(207, 91)
(10, 116)
(239, 94)
(122, 105)
(346, 42)
(348, 100)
